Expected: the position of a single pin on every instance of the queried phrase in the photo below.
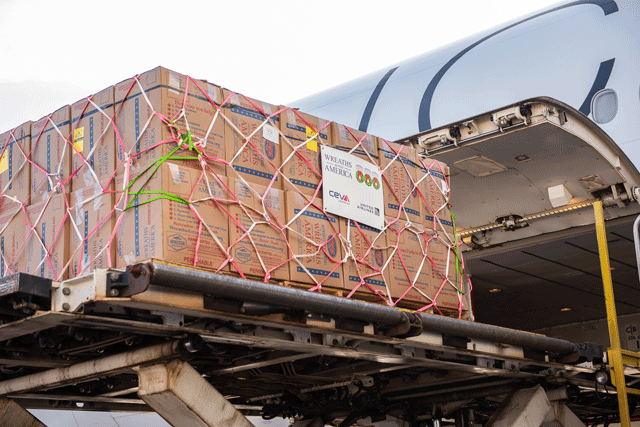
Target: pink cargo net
(209, 178)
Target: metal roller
(247, 290)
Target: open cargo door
(524, 180)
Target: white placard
(352, 188)
(630, 337)
(270, 133)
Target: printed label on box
(312, 144)
(78, 139)
(352, 188)
(4, 161)
(270, 133)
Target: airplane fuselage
(583, 53)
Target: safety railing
(617, 357)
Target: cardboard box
(12, 237)
(434, 187)
(366, 259)
(93, 217)
(256, 231)
(93, 154)
(257, 161)
(313, 238)
(444, 256)
(161, 224)
(408, 264)
(413, 262)
(50, 224)
(354, 141)
(14, 167)
(305, 134)
(51, 152)
(400, 170)
(165, 90)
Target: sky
(57, 52)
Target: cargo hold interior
(526, 177)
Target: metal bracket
(71, 295)
(170, 319)
(410, 326)
(511, 365)
(617, 197)
(471, 127)
(25, 293)
(301, 336)
(334, 340)
(135, 280)
(550, 372)
(366, 380)
(320, 321)
(503, 118)
(440, 138)
(485, 363)
(407, 351)
(590, 351)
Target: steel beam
(38, 322)
(91, 369)
(526, 407)
(82, 399)
(262, 363)
(561, 414)
(180, 395)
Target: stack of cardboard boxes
(14, 185)
(166, 167)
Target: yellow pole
(615, 352)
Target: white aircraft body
(568, 52)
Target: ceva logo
(339, 196)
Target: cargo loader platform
(100, 343)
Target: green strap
(185, 138)
(156, 165)
(162, 195)
(458, 262)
